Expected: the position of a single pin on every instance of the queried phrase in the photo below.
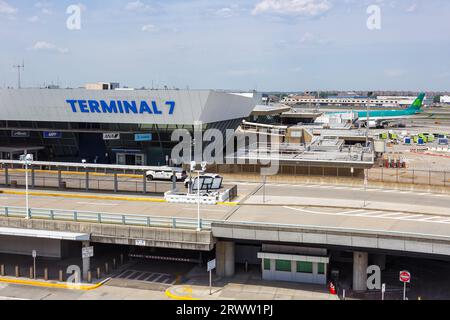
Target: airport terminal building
(126, 127)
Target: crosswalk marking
(146, 276)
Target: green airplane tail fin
(417, 104)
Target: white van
(208, 181)
(166, 173)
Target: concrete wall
(48, 248)
(247, 253)
(342, 238)
(294, 276)
(125, 235)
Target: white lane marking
(159, 277)
(370, 213)
(320, 212)
(367, 215)
(350, 212)
(134, 272)
(387, 215)
(208, 209)
(431, 218)
(98, 204)
(11, 298)
(356, 188)
(412, 218)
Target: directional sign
(20, 134)
(87, 252)
(405, 277)
(140, 243)
(52, 135)
(111, 136)
(143, 137)
(211, 265)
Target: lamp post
(26, 159)
(191, 149)
(193, 166)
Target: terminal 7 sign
(121, 107)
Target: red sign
(405, 276)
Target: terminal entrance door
(130, 159)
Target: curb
(81, 196)
(69, 286)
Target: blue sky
(247, 44)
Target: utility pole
(19, 67)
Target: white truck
(166, 173)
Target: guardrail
(105, 218)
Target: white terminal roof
(31, 233)
(189, 107)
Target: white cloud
(138, 6)
(245, 72)
(33, 19)
(310, 39)
(225, 13)
(46, 46)
(412, 8)
(230, 11)
(149, 28)
(44, 7)
(394, 73)
(292, 7)
(6, 8)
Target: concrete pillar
(116, 183)
(144, 183)
(7, 176)
(59, 179)
(379, 260)
(225, 255)
(33, 178)
(86, 262)
(87, 180)
(360, 264)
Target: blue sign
(52, 135)
(143, 137)
(121, 106)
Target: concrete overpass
(307, 217)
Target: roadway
(304, 205)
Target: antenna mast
(19, 67)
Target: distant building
(355, 101)
(102, 86)
(445, 99)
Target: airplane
(380, 118)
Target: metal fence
(411, 176)
(88, 182)
(105, 218)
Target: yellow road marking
(227, 203)
(82, 196)
(184, 298)
(96, 197)
(69, 286)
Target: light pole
(191, 148)
(27, 159)
(193, 166)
